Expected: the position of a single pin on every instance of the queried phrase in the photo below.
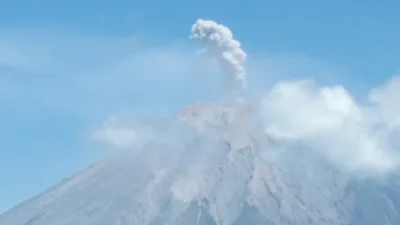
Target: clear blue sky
(65, 66)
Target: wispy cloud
(94, 77)
(117, 133)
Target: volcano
(212, 165)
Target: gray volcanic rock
(209, 167)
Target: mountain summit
(212, 166)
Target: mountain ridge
(209, 167)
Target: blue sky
(65, 67)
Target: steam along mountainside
(300, 155)
(214, 173)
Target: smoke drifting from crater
(220, 43)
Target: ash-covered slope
(212, 166)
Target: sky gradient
(67, 67)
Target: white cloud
(354, 136)
(118, 134)
(386, 99)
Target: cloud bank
(356, 137)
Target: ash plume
(220, 43)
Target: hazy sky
(67, 67)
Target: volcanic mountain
(212, 165)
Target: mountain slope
(209, 167)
